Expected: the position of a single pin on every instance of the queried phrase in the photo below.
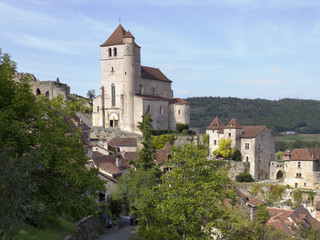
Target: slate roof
(115, 142)
(153, 73)
(163, 154)
(307, 154)
(251, 131)
(216, 124)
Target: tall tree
(91, 94)
(147, 154)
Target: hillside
(282, 115)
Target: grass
(302, 137)
(59, 232)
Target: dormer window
(110, 52)
(115, 52)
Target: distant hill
(302, 116)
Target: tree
(182, 126)
(279, 155)
(190, 200)
(224, 150)
(160, 141)
(147, 154)
(237, 156)
(262, 214)
(91, 94)
(43, 158)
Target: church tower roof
(128, 35)
(216, 124)
(116, 37)
(233, 124)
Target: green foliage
(279, 155)
(91, 94)
(282, 115)
(182, 126)
(157, 132)
(147, 154)
(275, 193)
(43, 161)
(224, 150)
(262, 214)
(190, 196)
(237, 155)
(244, 177)
(160, 141)
(282, 145)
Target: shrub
(237, 155)
(244, 177)
(181, 126)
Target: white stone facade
(128, 89)
(256, 143)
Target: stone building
(302, 169)
(256, 143)
(128, 89)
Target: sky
(229, 48)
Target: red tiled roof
(163, 154)
(281, 222)
(116, 142)
(251, 131)
(108, 163)
(178, 101)
(131, 155)
(216, 124)
(153, 73)
(254, 202)
(116, 37)
(128, 35)
(273, 211)
(307, 154)
(233, 124)
(302, 216)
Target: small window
(299, 164)
(38, 92)
(229, 134)
(215, 142)
(161, 110)
(112, 70)
(110, 52)
(98, 109)
(179, 111)
(149, 109)
(296, 185)
(305, 184)
(247, 158)
(246, 146)
(153, 91)
(115, 52)
(47, 94)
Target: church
(128, 89)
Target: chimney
(118, 162)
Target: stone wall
(109, 133)
(87, 228)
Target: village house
(128, 89)
(256, 144)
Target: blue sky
(229, 48)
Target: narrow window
(305, 184)
(179, 111)
(97, 108)
(161, 110)
(110, 52)
(229, 134)
(214, 142)
(153, 91)
(149, 109)
(299, 164)
(113, 95)
(246, 146)
(247, 158)
(115, 52)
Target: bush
(158, 132)
(237, 155)
(181, 126)
(244, 177)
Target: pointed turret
(116, 37)
(216, 124)
(233, 124)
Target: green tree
(147, 154)
(189, 202)
(262, 214)
(279, 155)
(91, 94)
(224, 150)
(237, 156)
(38, 142)
(160, 141)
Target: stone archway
(279, 174)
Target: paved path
(123, 233)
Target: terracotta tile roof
(233, 124)
(216, 124)
(131, 155)
(287, 153)
(302, 216)
(108, 164)
(254, 202)
(273, 211)
(153, 73)
(128, 35)
(116, 142)
(163, 154)
(307, 154)
(178, 101)
(79, 123)
(251, 131)
(152, 97)
(108, 177)
(116, 37)
(281, 222)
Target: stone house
(162, 155)
(301, 168)
(123, 145)
(256, 144)
(128, 89)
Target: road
(122, 233)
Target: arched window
(47, 94)
(153, 91)
(110, 52)
(161, 110)
(38, 92)
(113, 95)
(115, 52)
(247, 158)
